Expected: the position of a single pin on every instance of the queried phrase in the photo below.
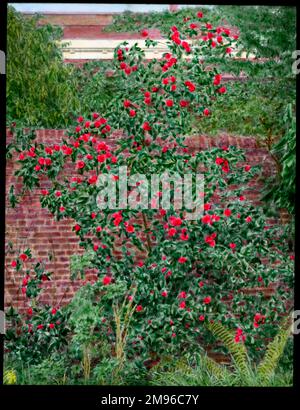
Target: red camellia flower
(146, 126)
(130, 228)
(48, 150)
(106, 280)
(206, 219)
(169, 103)
(51, 325)
(92, 179)
(222, 90)
(80, 164)
(172, 232)
(182, 305)
(217, 79)
(53, 311)
(14, 264)
(239, 336)
(201, 318)
(183, 103)
(25, 281)
(40, 326)
(23, 257)
(193, 26)
(207, 300)
(175, 221)
(225, 168)
(164, 294)
(199, 14)
(258, 319)
(182, 295)
(182, 259)
(144, 33)
(139, 308)
(219, 161)
(132, 113)
(101, 158)
(232, 245)
(58, 193)
(190, 86)
(77, 228)
(186, 46)
(228, 50)
(247, 168)
(227, 212)
(206, 112)
(29, 311)
(201, 284)
(209, 239)
(184, 237)
(248, 219)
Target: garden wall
(30, 226)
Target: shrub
(41, 90)
(39, 329)
(178, 274)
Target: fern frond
(237, 350)
(275, 349)
(214, 369)
(9, 377)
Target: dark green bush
(41, 89)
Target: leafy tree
(41, 90)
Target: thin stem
(147, 233)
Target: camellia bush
(40, 329)
(171, 275)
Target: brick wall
(28, 225)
